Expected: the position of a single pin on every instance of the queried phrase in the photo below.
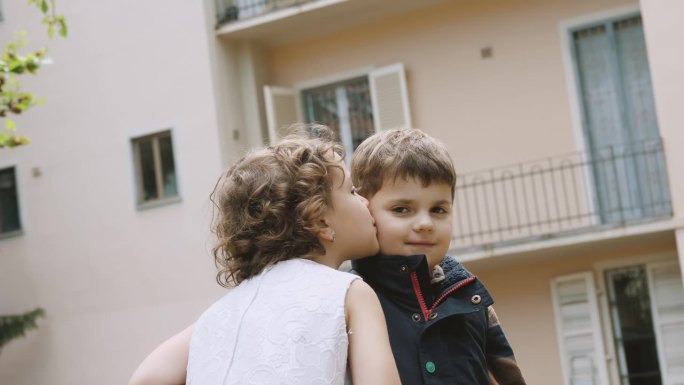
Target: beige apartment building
(564, 120)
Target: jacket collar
(394, 276)
(454, 273)
(391, 276)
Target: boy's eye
(400, 210)
(440, 210)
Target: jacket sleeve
(500, 358)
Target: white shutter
(282, 109)
(389, 97)
(667, 298)
(579, 330)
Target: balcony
(575, 194)
(229, 11)
(276, 22)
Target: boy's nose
(423, 223)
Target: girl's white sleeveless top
(284, 326)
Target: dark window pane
(9, 203)
(168, 167)
(633, 326)
(360, 111)
(322, 105)
(149, 184)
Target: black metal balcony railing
(232, 10)
(612, 186)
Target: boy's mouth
(420, 244)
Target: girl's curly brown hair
(267, 205)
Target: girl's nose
(364, 200)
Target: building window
(155, 168)
(644, 325)
(345, 107)
(619, 119)
(9, 202)
(633, 330)
(354, 106)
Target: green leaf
(63, 29)
(44, 6)
(10, 125)
(15, 326)
(17, 68)
(32, 66)
(19, 141)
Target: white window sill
(158, 203)
(11, 234)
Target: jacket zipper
(419, 295)
(421, 300)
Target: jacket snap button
(432, 316)
(430, 367)
(403, 268)
(476, 299)
(416, 317)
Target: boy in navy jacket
(442, 326)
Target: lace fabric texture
(285, 326)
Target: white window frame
(370, 72)
(595, 318)
(382, 71)
(269, 93)
(330, 79)
(345, 137)
(565, 28)
(604, 307)
(571, 77)
(141, 204)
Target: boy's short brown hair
(267, 206)
(401, 153)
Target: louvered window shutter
(579, 330)
(390, 97)
(282, 110)
(667, 299)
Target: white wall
(115, 281)
(664, 32)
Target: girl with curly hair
(286, 217)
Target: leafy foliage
(13, 64)
(15, 326)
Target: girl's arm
(167, 364)
(370, 355)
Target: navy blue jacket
(440, 333)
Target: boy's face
(413, 219)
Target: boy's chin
(434, 261)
